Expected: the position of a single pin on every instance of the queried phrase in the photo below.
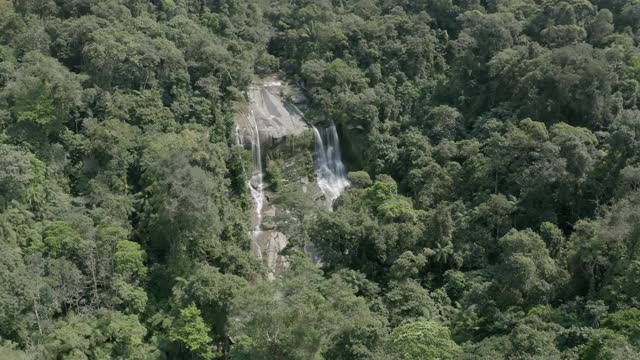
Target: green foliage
(527, 274)
(606, 344)
(397, 209)
(182, 174)
(408, 301)
(112, 335)
(60, 240)
(190, 330)
(626, 322)
(213, 292)
(36, 107)
(113, 134)
(408, 265)
(129, 260)
(271, 319)
(443, 122)
(502, 137)
(10, 352)
(132, 298)
(22, 178)
(273, 171)
(359, 179)
(383, 189)
(422, 339)
(43, 96)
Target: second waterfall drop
(330, 169)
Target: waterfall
(331, 172)
(238, 137)
(256, 185)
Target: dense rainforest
(494, 207)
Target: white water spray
(332, 178)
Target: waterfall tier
(330, 169)
(256, 184)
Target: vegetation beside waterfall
(494, 206)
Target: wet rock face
(276, 118)
(310, 172)
(263, 122)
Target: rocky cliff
(283, 184)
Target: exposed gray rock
(267, 247)
(275, 119)
(272, 116)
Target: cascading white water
(331, 173)
(238, 137)
(256, 185)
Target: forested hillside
(494, 207)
